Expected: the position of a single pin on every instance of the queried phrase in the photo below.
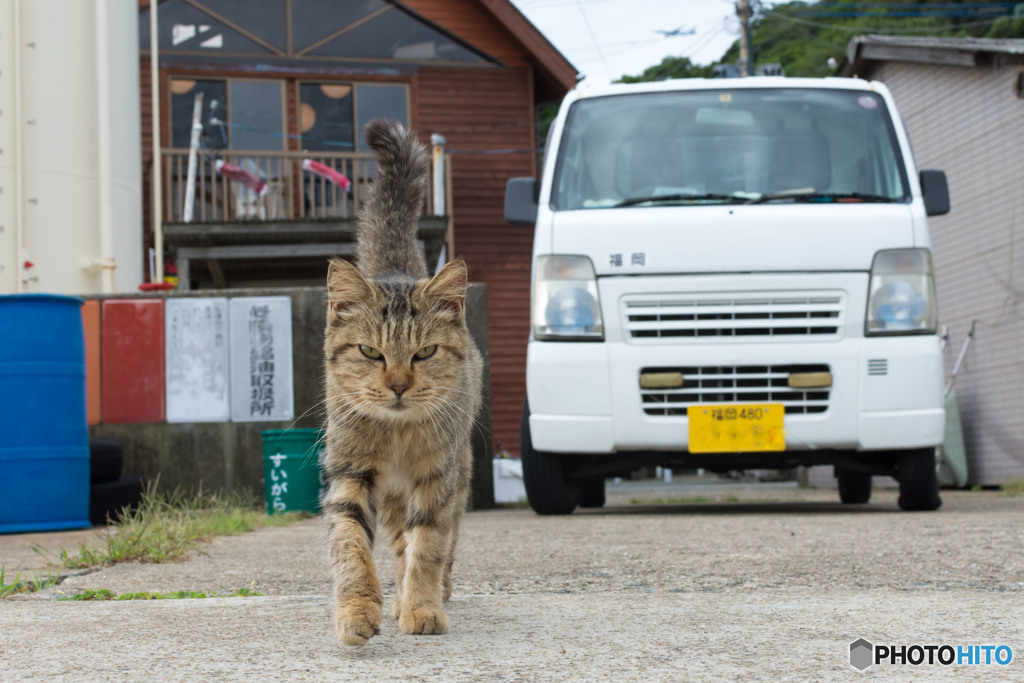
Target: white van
(731, 274)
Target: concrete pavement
(776, 587)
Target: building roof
(556, 74)
(549, 60)
(863, 50)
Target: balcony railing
(293, 194)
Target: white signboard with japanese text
(196, 343)
(261, 359)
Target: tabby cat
(402, 380)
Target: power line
(594, 38)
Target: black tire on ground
(110, 499)
(106, 459)
(544, 476)
(592, 493)
(919, 485)
(854, 487)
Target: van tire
(919, 485)
(544, 476)
(592, 493)
(854, 487)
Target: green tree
(670, 67)
(803, 36)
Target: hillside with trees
(803, 36)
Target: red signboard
(132, 334)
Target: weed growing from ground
(1013, 488)
(104, 594)
(166, 527)
(20, 585)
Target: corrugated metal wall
(969, 122)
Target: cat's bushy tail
(390, 214)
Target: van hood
(732, 238)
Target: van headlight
(901, 293)
(566, 305)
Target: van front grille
(736, 316)
(734, 384)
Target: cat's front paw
(358, 621)
(423, 621)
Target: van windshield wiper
(824, 198)
(632, 201)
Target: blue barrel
(44, 438)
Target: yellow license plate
(737, 428)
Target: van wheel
(854, 487)
(919, 487)
(544, 476)
(592, 493)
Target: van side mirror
(936, 193)
(521, 201)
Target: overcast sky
(605, 39)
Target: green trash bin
(291, 469)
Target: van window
(739, 144)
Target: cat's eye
(369, 352)
(426, 352)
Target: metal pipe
(107, 261)
(193, 148)
(19, 170)
(438, 141)
(157, 203)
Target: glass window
(396, 35)
(314, 20)
(379, 101)
(256, 115)
(183, 93)
(326, 119)
(743, 144)
(265, 19)
(185, 28)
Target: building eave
(863, 51)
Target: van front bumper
(585, 397)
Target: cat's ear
(346, 286)
(447, 289)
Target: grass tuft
(104, 594)
(1013, 488)
(20, 585)
(167, 526)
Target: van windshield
(728, 146)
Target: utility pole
(744, 12)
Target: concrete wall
(229, 456)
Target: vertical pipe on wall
(107, 262)
(19, 168)
(438, 141)
(154, 72)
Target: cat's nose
(399, 387)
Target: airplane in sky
(677, 32)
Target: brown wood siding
(468, 21)
(483, 113)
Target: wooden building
(288, 80)
(962, 100)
